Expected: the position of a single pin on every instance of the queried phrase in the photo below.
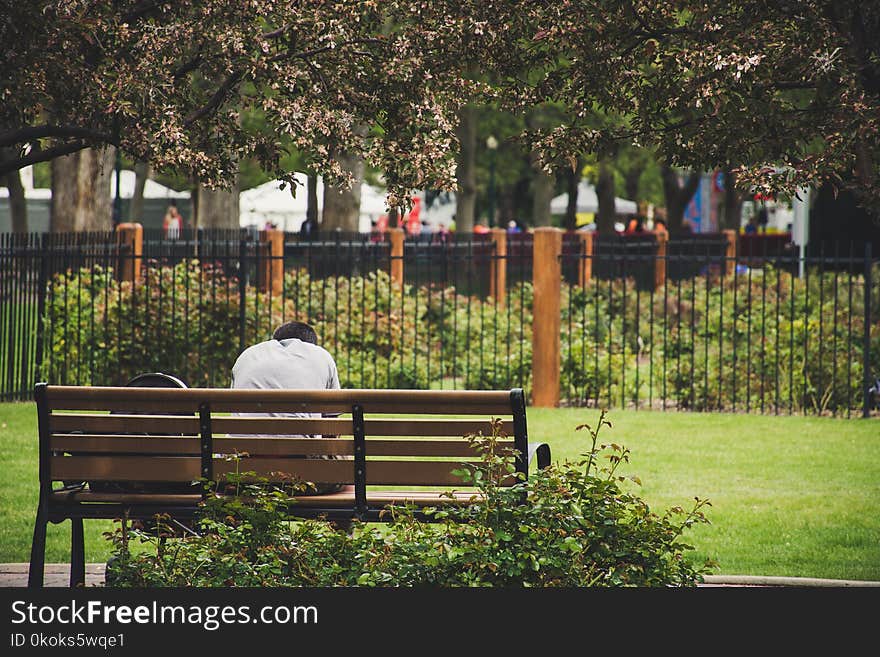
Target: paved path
(58, 574)
(55, 574)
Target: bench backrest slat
(175, 400)
(178, 469)
(281, 446)
(414, 473)
(110, 444)
(120, 423)
(107, 424)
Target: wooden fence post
(498, 270)
(130, 237)
(272, 263)
(660, 259)
(547, 284)
(397, 238)
(585, 262)
(730, 252)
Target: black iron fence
(767, 333)
(772, 333)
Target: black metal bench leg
(77, 553)
(38, 549)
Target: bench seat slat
(343, 499)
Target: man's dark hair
(299, 330)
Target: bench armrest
(542, 451)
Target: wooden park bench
(398, 446)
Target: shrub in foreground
(578, 527)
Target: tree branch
(274, 34)
(216, 100)
(142, 10)
(41, 155)
(188, 67)
(305, 54)
(29, 133)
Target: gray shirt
(284, 365)
(288, 364)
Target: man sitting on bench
(292, 359)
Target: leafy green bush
(181, 319)
(571, 524)
(767, 340)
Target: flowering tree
(167, 82)
(784, 94)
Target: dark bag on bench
(147, 380)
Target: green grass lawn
(791, 496)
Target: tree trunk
(631, 180)
(342, 206)
(218, 209)
(465, 172)
(312, 199)
(543, 185)
(605, 195)
(573, 179)
(136, 209)
(81, 199)
(17, 202)
(677, 196)
(733, 200)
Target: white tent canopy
(269, 203)
(441, 211)
(587, 201)
(152, 189)
(373, 201)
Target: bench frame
(57, 505)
